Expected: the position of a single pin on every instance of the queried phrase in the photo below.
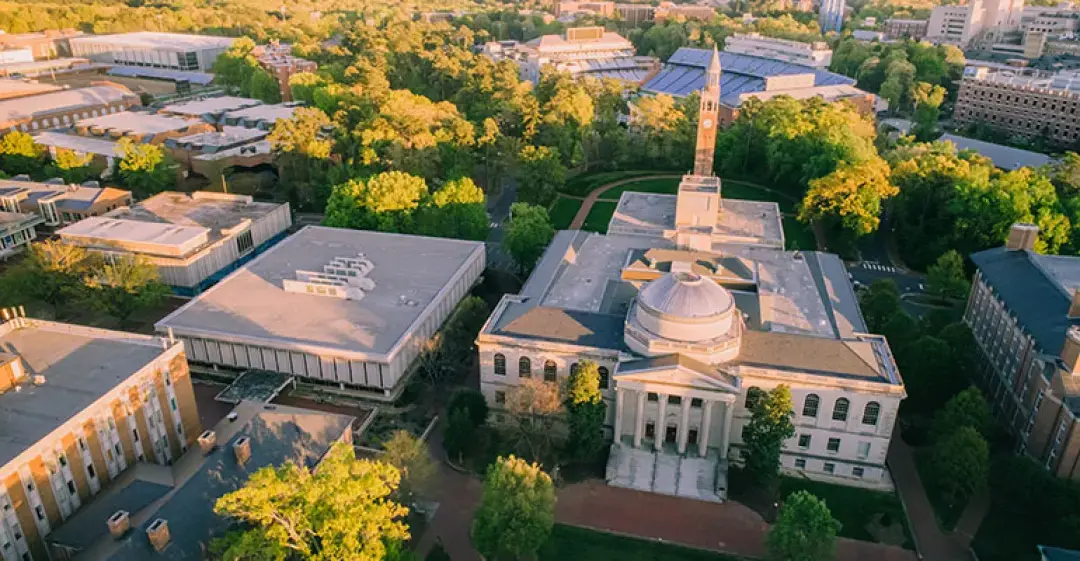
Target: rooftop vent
(232, 416)
(242, 450)
(39, 380)
(1022, 237)
(344, 278)
(119, 523)
(158, 532)
(207, 442)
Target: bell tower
(708, 118)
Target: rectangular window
(695, 402)
(804, 441)
(830, 467)
(40, 512)
(800, 463)
(833, 445)
(857, 472)
(500, 398)
(863, 451)
(674, 400)
(71, 487)
(244, 242)
(653, 397)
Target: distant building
(962, 24)
(279, 61)
(16, 54)
(173, 51)
(1004, 157)
(194, 239)
(635, 13)
(209, 109)
(11, 89)
(46, 44)
(914, 29)
(603, 9)
(210, 154)
(746, 77)
(63, 108)
(814, 55)
(50, 67)
(60, 204)
(346, 310)
(80, 408)
(16, 231)
(1024, 312)
(867, 35)
(582, 51)
(668, 10)
(831, 16)
(260, 117)
(140, 126)
(1028, 105)
(169, 514)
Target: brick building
(79, 407)
(1024, 105)
(279, 61)
(60, 204)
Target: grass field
(855, 508)
(599, 216)
(583, 184)
(579, 544)
(798, 235)
(562, 213)
(665, 186)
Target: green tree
(410, 456)
(899, 78)
(880, 303)
(341, 511)
(540, 174)
(927, 99)
(1065, 173)
(529, 234)
(585, 411)
(386, 202)
(928, 383)
(302, 146)
(850, 196)
(966, 409)
(805, 530)
(19, 154)
(124, 285)
(144, 168)
(71, 167)
(467, 412)
(262, 85)
(946, 277)
(770, 425)
(457, 210)
(517, 510)
(52, 273)
(960, 464)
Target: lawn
(583, 184)
(563, 212)
(579, 544)
(798, 235)
(599, 216)
(666, 186)
(734, 189)
(865, 515)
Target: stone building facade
(1028, 106)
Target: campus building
(1024, 313)
(914, 29)
(744, 77)
(194, 239)
(168, 51)
(1029, 105)
(688, 305)
(581, 51)
(962, 24)
(59, 204)
(602, 9)
(62, 108)
(79, 407)
(831, 15)
(43, 45)
(813, 55)
(17, 229)
(348, 310)
(280, 62)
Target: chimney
(1070, 352)
(207, 442)
(242, 449)
(119, 523)
(158, 532)
(1074, 305)
(1022, 236)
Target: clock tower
(707, 118)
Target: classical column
(639, 421)
(729, 409)
(706, 422)
(618, 415)
(661, 423)
(684, 424)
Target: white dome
(686, 296)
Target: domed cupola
(684, 312)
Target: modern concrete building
(17, 229)
(11, 89)
(345, 309)
(588, 51)
(141, 126)
(813, 55)
(173, 51)
(1029, 105)
(210, 154)
(977, 20)
(43, 45)
(603, 9)
(635, 13)
(746, 77)
(14, 55)
(914, 29)
(63, 108)
(59, 204)
(260, 117)
(1024, 312)
(169, 513)
(689, 305)
(194, 239)
(79, 407)
(831, 15)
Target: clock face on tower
(707, 123)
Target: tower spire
(707, 117)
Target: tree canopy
(770, 425)
(804, 531)
(517, 510)
(529, 233)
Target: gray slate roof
(1004, 157)
(1030, 293)
(559, 325)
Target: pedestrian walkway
(590, 199)
(875, 266)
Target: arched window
(840, 409)
(810, 405)
(870, 413)
(551, 372)
(524, 367)
(604, 375)
(500, 364)
(752, 396)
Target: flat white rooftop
(56, 102)
(151, 237)
(269, 113)
(84, 144)
(131, 122)
(157, 40)
(410, 275)
(210, 106)
(227, 137)
(21, 88)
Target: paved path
(932, 543)
(587, 204)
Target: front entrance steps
(668, 473)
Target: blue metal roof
(684, 73)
